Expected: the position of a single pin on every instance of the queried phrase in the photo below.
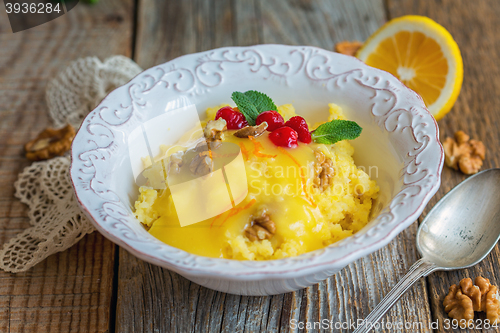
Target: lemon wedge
(423, 55)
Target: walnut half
(50, 143)
(463, 300)
(261, 228)
(463, 153)
(323, 171)
(459, 306)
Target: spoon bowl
(459, 232)
(464, 226)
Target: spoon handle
(419, 269)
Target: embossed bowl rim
(115, 223)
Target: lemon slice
(423, 55)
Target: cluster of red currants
(283, 134)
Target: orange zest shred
(258, 147)
(302, 176)
(233, 211)
(244, 151)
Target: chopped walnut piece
(50, 143)
(470, 165)
(347, 47)
(212, 145)
(319, 156)
(490, 302)
(459, 306)
(254, 131)
(492, 306)
(261, 228)
(175, 163)
(478, 148)
(461, 137)
(484, 286)
(463, 153)
(207, 145)
(214, 130)
(451, 153)
(202, 164)
(471, 291)
(323, 171)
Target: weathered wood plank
(70, 291)
(154, 299)
(165, 29)
(475, 26)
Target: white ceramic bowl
(399, 139)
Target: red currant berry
(299, 124)
(274, 120)
(284, 137)
(233, 118)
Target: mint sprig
(261, 101)
(252, 103)
(246, 107)
(335, 131)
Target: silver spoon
(461, 229)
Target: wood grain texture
(155, 299)
(475, 26)
(70, 291)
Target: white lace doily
(83, 84)
(56, 219)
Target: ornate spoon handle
(419, 269)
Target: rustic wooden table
(98, 287)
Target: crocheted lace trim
(56, 219)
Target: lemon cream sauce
(280, 184)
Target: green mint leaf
(245, 106)
(261, 101)
(252, 103)
(335, 131)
